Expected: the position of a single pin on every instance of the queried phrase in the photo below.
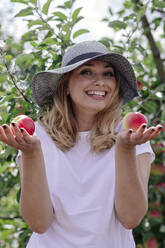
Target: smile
(96, 93)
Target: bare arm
(35, 203)
(132, 174)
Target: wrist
(125, 147)
(33, 152)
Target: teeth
(97, 93)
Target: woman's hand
(19, 138)
(129, 139)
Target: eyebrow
(106, 66)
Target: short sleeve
(145, 148)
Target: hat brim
(44, 83)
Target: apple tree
(139, 34)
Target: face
(91, 87)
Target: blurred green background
(137, 30)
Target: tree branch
(12, 77)
(154, 48)
(36, 8)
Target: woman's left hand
(129, 139)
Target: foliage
(50, 32)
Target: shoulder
(40, 129)
(42, 134)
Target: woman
(83, 179)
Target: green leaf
(48, 41)
(25, 12)
(35, 22)
(3, 78)
(79, 19)
(46, 6)
(130, 16)
(33, 1)
(119, 48)
(29, 36)
(60, 15)
(128, 4)
(75, 14)
(159, 4)
(24, 59)
(106, 42)
(34, 44)
(150, 106)
(138, 67)
(110, 11)
(68, 4)
(9, 151)
(8, 58)
(19, 1)
(80, 32)
(105, 19)
(117, 24)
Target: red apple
(23, 121)
(133, 120)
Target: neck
(85, 122)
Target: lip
(98, 90)
(97, 97)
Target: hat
(44, 83)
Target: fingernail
(13, 124)
(4, 126)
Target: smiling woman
(84, 180)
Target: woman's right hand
(19, 138)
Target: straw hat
(44, 83)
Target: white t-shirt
(81, 185)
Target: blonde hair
(61, 124)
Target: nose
(98, 81)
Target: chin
(97, 109)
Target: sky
(93, 11)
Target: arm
(132, 175)
(35, 203)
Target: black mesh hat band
(82, 57)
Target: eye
(86, 72)
(109, 74)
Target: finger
(149, 133)
(17, 133)
(129, 133)
(26, 136)
(157, 131)
(132, 137)
(142, 128)
(2, 135)
(10, 140)
(159, 128)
